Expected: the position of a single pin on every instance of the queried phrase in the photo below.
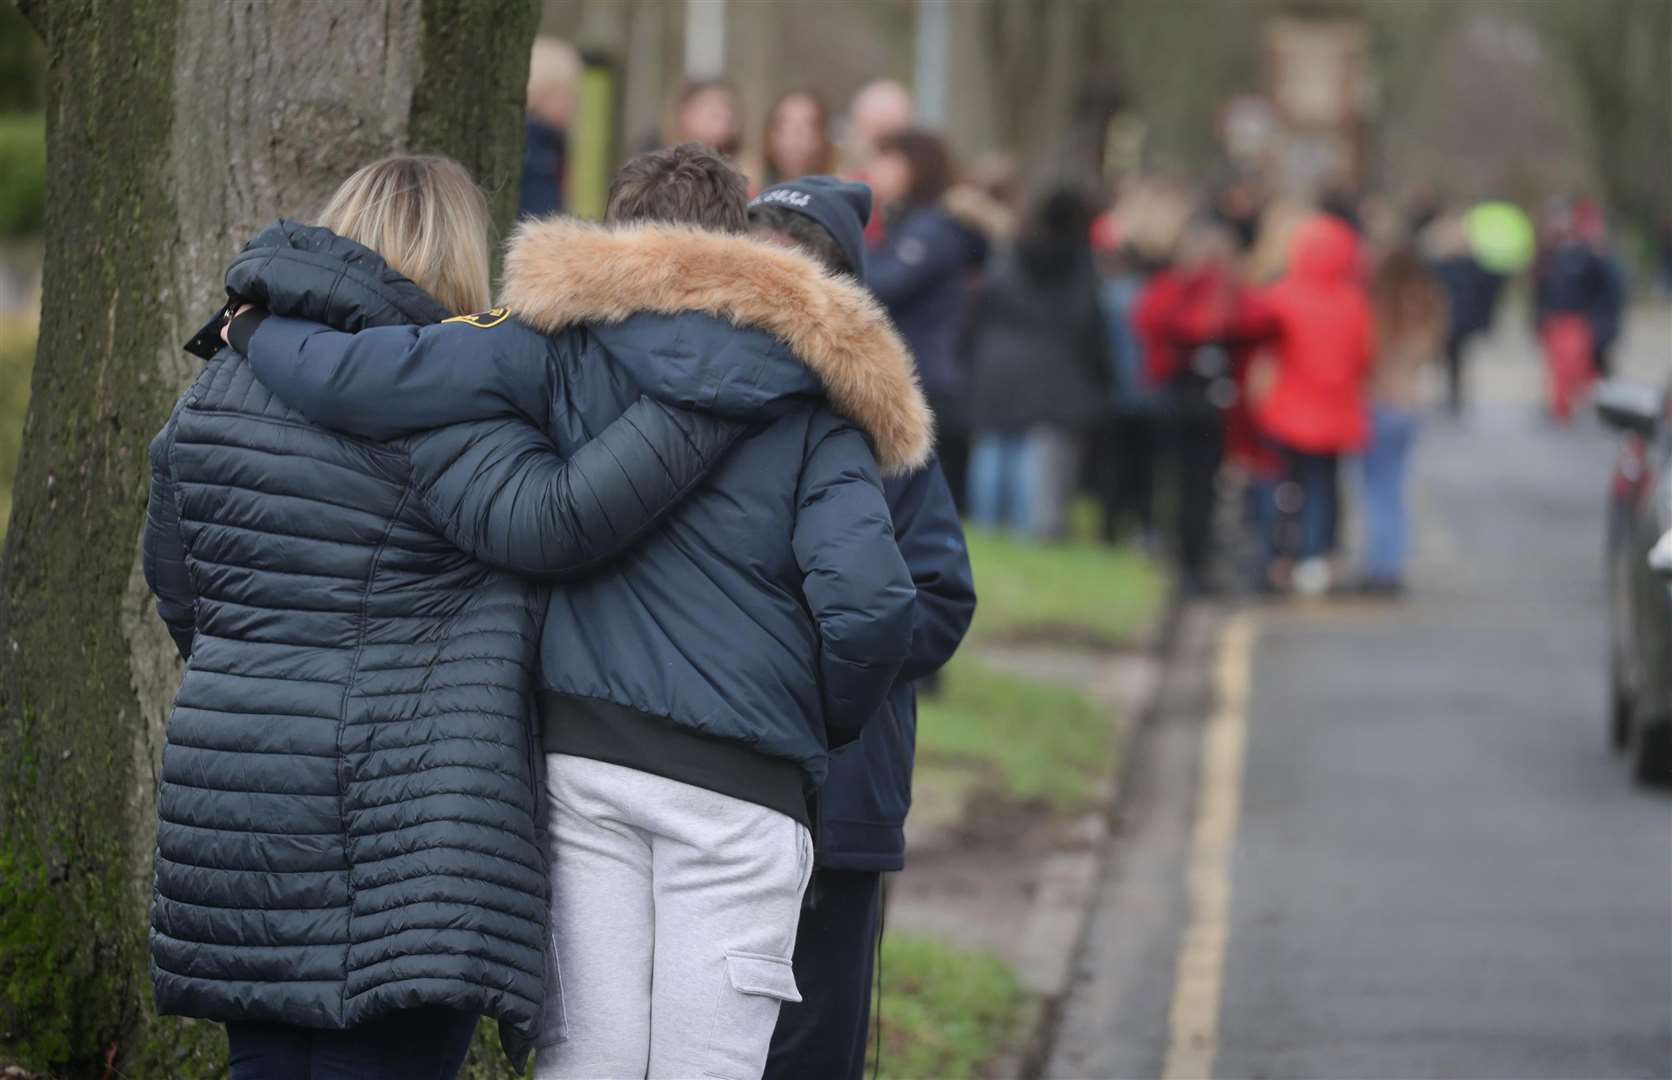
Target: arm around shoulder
(500, 491)
(391, 381)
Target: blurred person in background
(922, 271)
(554, 73)
(1125, 447)
(881, 108)
(1423, 207)
(1472, 293)
(796, 141)
(1410, 312)
(1315, 410)
(709, 112)
(863, 804)
(1267, 261)
(1663, 249)
(1039, 372)
(1199, 325)
(1609, 301)
(1237, 205)
(1576, 300)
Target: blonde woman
(349, 866)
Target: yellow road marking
(1193, 1020)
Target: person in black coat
(349, 867)
(935, 239)
(863, 804)
(1038, 351)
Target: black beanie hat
(843, 207)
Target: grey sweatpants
(674, 910)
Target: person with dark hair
(796, 141)
(862, 807)
(689, 696)
(1578, 294)
(679, 184)
(1039, 372)
(935, 239)
(1200, 325)
(1472, 294)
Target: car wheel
(1652, 755)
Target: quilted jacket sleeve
(500, 491)
(391, 381)
(855, 582)
(165, 551)
(487, 469)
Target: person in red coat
(1199, 326)
(1316, 409)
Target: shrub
(22, 174)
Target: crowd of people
(1179, 353)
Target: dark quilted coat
(348, 811)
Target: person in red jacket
(1199, 325)
(1316, 408)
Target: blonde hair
(426, 216)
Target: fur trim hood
(562, 273)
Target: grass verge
(946, 1014)
(1042, 742)
(1077, 591)
(17, 360)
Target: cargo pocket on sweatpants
(755, 986)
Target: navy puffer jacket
(348, 812)
(773, 610)
(862, 811)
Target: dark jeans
(1197, 438)
(835, 949)
(1123, 471)
(952, 450)
(1457, 353)
(414, 1044)
(1309, 505)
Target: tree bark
(175, 128)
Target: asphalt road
(1438, 868)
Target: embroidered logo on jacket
(483, 320)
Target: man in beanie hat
(862, 807)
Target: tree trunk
(175, 128)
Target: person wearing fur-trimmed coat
(699, 688)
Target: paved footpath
(1378, 841)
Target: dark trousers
(1309, 505)
(952, 449)
(1457, 348)
(1123, 472)
(1197, 438)
(414, 1044)
(835, 950)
